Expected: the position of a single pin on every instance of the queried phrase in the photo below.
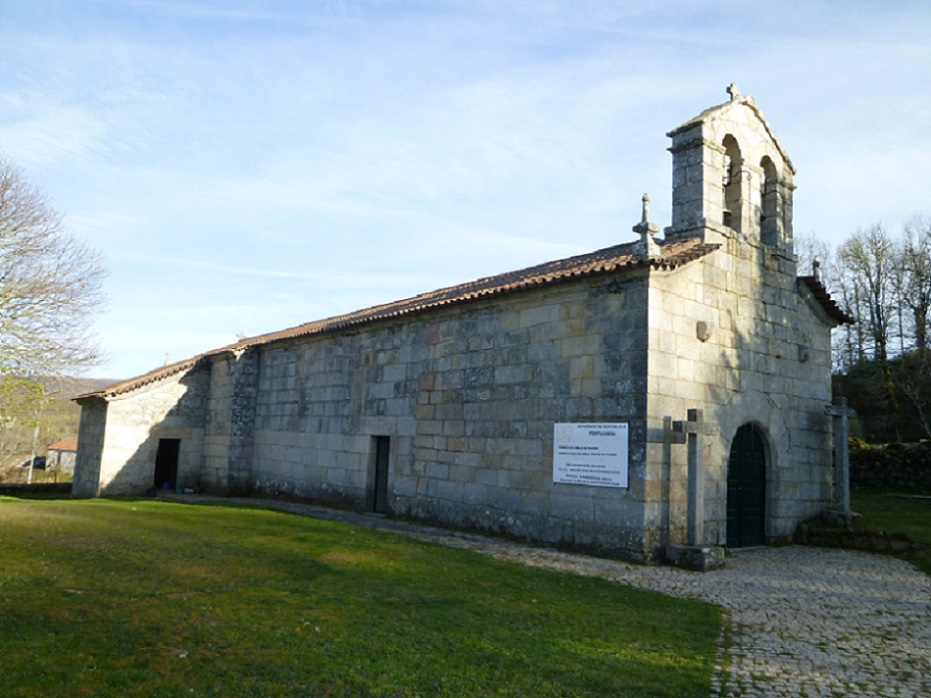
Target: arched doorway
(746, 489)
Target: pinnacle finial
(645, 226)
(647, 248)
(733, 91)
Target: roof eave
(820, 294)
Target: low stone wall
(903, 466)
(816, 533)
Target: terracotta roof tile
(64, 445)
(610, 259)
(617, 258)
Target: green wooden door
(746, 489)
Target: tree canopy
(50, 285)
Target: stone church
(657, 392)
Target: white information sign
(590, 454)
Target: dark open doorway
(166, 464)
(746, 489)
(382, 449)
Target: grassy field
(897, 512)
(150, 598)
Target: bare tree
(914, 278)
(869, 267)
(814, 253)
(50, 285)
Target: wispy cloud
(246, 163)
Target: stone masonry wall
(91, 432)
(468, 398)
(170, 409)
(214, 475)
(903, 466)
(734, 337)
(230, 431)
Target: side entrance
(746, 489)
(166, 464)
(380, 487)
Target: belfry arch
(771, 223)
(731, 175)
(731, 183)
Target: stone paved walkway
(802, 621)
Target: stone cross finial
(647, 247)
(733, 91)
(645, 225)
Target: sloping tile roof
(821, 295)
(64, 445)
(610, 259)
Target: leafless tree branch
(50, 285)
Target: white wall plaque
(590, 454)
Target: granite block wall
(736, 338)
(468, 397)
(125, 432)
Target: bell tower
(731, 178)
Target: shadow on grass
(13, 492)
(892, 522)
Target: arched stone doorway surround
(766, 416)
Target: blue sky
(250, 166)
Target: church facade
(706, 350)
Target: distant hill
(59, 420)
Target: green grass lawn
(897, 512)
(151, 598)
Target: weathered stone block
(694, 557)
